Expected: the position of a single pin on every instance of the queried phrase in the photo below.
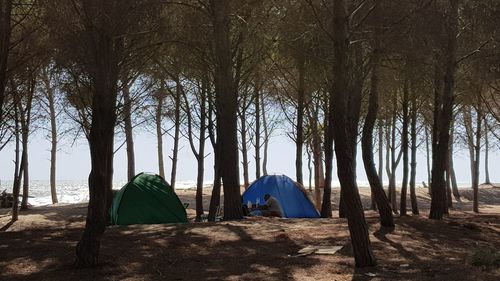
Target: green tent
(147, 199)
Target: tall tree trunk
(453, 178)
(244, 147)
(265, 126)
(104, 74)
(477, 150)
(216, 190)
(226, 103)
(394, 165)
(257, 125)
(413, 133)
(53, 139)
(404, 147)
(319, 176)
(159, 134)
(299, 142)
(216, 187)
(17, 167)
(129, 136)
(438, 201)
(26, 181)
(177, 129)
(25, 131)
(201, 152)
(344, 109)
(5, 34)
(486, 153)
(381, 150)
(377, 190)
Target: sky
(73, 162)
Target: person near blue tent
(271, 208)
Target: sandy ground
(40, 246)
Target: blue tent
(291, 196)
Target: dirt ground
(41, 245)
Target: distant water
(71, 191)
(77, 191)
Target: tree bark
(226, 103)
(159, 134)
(440, 155)
(317, 153)
(177, 129)
(257, 125)
(17, 167)
(486, 153)
(25, 131)
(201, 152)
(453, 179)
(477, 150)
(216, 187)
(265, 126)
(413, 133)
(104, 73)
(404, 147)
(376, 187)
(394, 162)
(344, 109)
(129, 136)
(244, 147)
(53, 138)
(428, 160)
(299, 142)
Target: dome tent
(291, 196)
(147, 199)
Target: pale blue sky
(74, 162)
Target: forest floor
(41, 246)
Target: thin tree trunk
(451, 169)
(381, 150)
(438, 200)
(257, 126)
(404, 147)
(319, 175)
(17, 174)
(477, 150)
(25, 131)
(244, 147)
(159, 134)
(201, 155)
(129, 136)
(216, 187)
(53, 140)
(266, 139)
(376, 187)
(486, 154)
(299, 142)
(177, 129)
(392, 179)
(413, 133)
(26, 182)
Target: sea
(73, 191)
(77, 191)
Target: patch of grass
(485, 257)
